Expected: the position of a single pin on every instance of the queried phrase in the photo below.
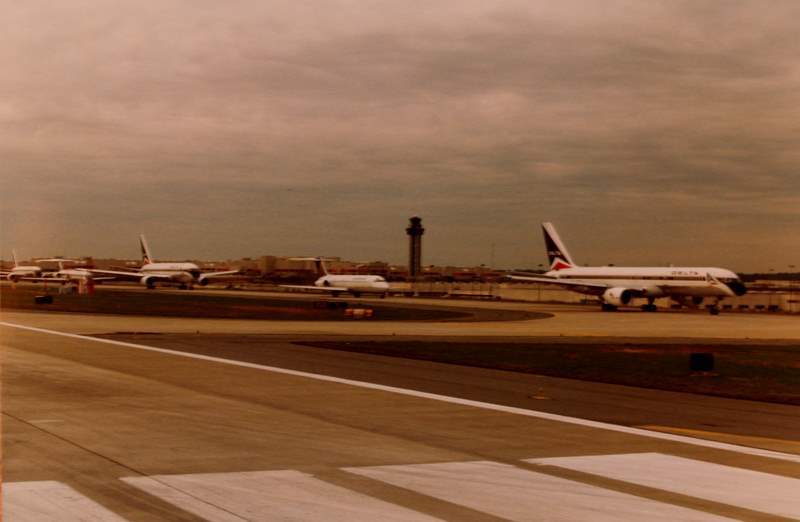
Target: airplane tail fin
(146, 257)
(557, 253)
(319, 264)
(14, 257)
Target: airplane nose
(737, 287)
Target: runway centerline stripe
(522, 495)
(745, 488)
(287, 495)
(433, 396)
(51, 501)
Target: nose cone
(383, 285)
(737, 287)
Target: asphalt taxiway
(154, 427)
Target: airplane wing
(317, 288)
(578, 285)
(117, 274)
(206, 275)
(560, 282)
(62, 279)
(107, 278)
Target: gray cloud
(644, 129)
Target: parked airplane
(19, 272)
(66, 275)
(336, 284)
(185, 275)
(617, 286)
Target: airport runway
(142, 432)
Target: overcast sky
(648, 132)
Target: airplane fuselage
(183, 273)
(19, 272)
(69, 274)
(189, 268)
(354, 283)
(658, 281)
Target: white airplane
(66, 275)
(19, 272)
(336, 284)
(617, 286)
(185, 275)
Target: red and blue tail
(557, 253)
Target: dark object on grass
(43, 299)
(701, 362)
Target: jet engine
(202, 281)
(617, 296)
(149, 281)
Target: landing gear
(183, 286)
(608, 307)
(650, 306)
(334, 294)
(713, 310)
(384, 295)
(151, 286)
(356, 294)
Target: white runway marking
(50, 501)
(425, 395)
(521, 495)
(284, 495)
(734, 486)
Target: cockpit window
(735, 284)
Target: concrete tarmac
(113, 431)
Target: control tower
(415, 232)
